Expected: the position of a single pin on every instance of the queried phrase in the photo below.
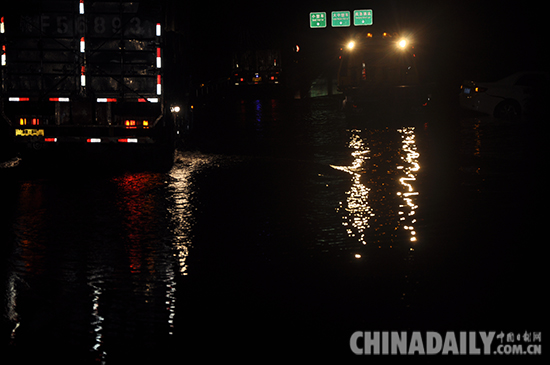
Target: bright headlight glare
(351, 44)
(402, 43)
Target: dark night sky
(468, 38)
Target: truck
(380, 73)
(91, 73)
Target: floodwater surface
(281, 229)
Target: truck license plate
(29, 132)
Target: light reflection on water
(118, 255)
(410, 169)
(382, 200)
(357, 213)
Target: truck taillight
(3, 55)
(81, 7)
(2, 27)
(159, 85)
(29, 121)
(132, 123)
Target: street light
(351, 45)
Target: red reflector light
(128, 140)
(50, 139)
(106, 100)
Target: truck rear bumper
(41, 141)
(43, 136)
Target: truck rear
(83, 72)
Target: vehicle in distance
(257, 67)
(523, 93)
(380, 72)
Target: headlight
(351, 45)
(402, 43)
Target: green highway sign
(362, 17)
(318, 20)
(340, 18)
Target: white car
(520, 93)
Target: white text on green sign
(318, 20)
(362, 17)
(340, 18)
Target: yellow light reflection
(374, 212)
(358, 212)
(182, 211)
(409, 169)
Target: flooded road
(281, 229)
